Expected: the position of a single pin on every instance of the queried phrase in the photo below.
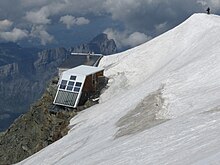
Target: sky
(70, 22)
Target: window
(69, 88)
(71, 83)
(72, 77)
(63, 84)
(78, 84)
(76, 89)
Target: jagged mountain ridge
(161, 107)
(99, 44)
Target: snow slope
(162, 105)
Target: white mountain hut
(77, 84)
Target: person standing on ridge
(208, 10)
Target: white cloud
(82, 21)
(70, 21)
(121, 9)
(5, 24)
(14, 35)
(42, 15)
(136, 38)
(41, 33)
(125, 39)
(39, 17)
(160, 28)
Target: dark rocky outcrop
(38, 128)
(100, 44)
(42, 125)
(24, 73)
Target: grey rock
(34, 130)
(100, 44)
(24, 80)
(142, 117)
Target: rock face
(35, 130)
(24, 73)
(42, 125)
(100, 44)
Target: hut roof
(83, 70)
(76, 60)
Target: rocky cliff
(38, 128)
(23, 77)
(42, 125)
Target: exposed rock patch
(38, 128)
(214, 110)
(142, 117)
(44, 124)
(24, 73)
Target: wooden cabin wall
(89, 87)
(99, 74)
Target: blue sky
(70, 22)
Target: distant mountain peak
(100, 38)
(99, 44)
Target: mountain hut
(76, 85)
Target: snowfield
(162, 105)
